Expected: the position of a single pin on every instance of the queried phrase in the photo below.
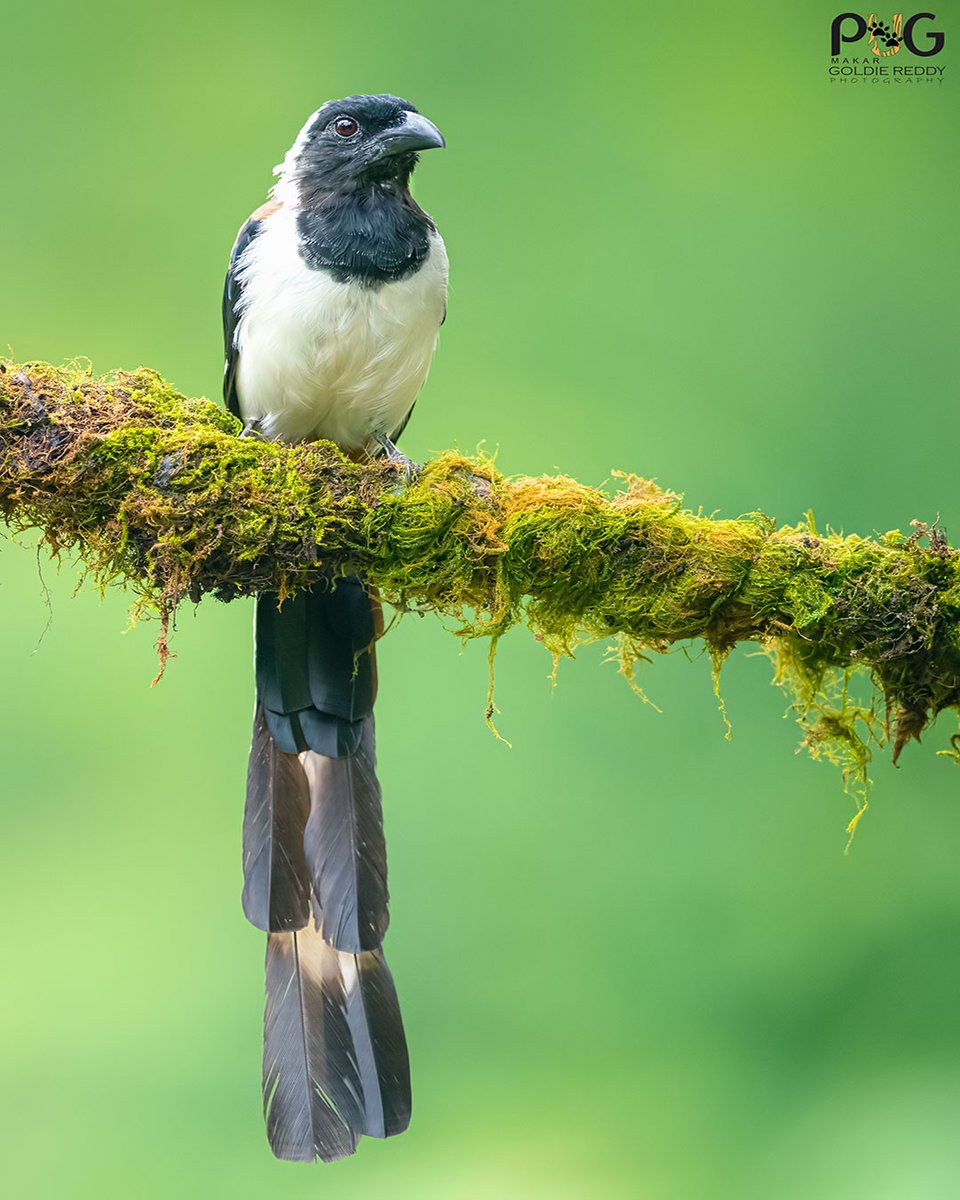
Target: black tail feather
(345, 850)
(312, 1095)
(314, 663)
(276, 880)
(335, 1060)
(381, 1047)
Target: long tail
(315, 878)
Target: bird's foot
(397, 457)
(253, 430)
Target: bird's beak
(413, 133)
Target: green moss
(159, 492)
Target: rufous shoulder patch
(266, 210)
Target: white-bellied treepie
(333, 300)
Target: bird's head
(357, 142)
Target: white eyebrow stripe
(283, 170)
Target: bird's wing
(395, 436)
(232, 295)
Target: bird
(332, 306)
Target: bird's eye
(345, 127)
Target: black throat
(370, 235)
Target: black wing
(232, 294)
(395, 436)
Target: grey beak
(414, 133)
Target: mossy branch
(158, 491)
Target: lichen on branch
(159, 492)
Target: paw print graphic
(885, 39)
(883, 33)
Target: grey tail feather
(312, 1097)
(335, 1058)
(276, 880)
(381, 1047)
(345, 850)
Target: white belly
(321, 359)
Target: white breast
(321, 359)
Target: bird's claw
(397, 458)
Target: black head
(359, 141)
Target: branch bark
(158, 492)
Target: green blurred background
(633, 959)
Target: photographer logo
(885, 38)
